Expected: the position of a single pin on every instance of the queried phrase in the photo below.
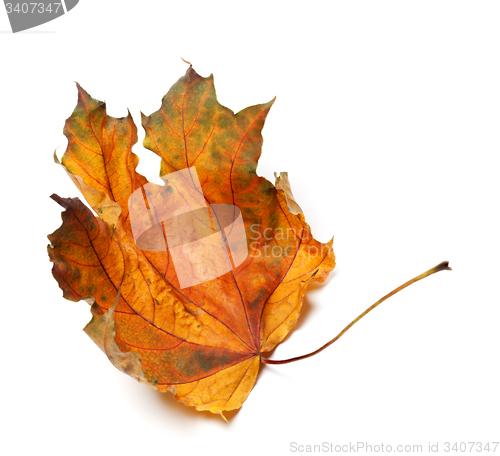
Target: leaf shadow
(307, 305)
(168, 400)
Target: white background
(388, 121)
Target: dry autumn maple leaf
(198, 335)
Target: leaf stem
(440, 267)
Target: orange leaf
(185, 300)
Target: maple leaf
(190, 282)
(203, 342)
